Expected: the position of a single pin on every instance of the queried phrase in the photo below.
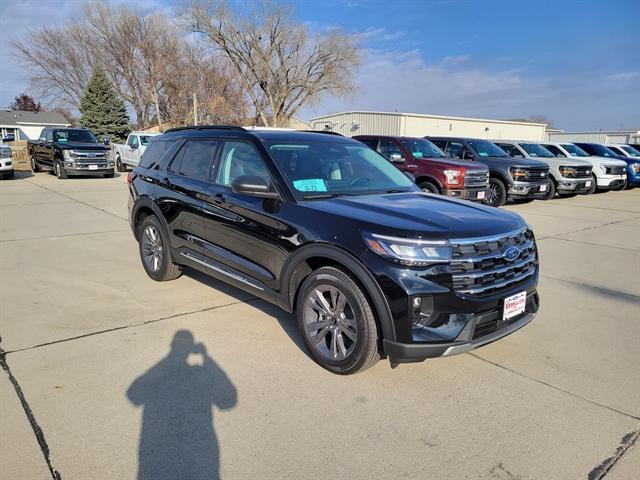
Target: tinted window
(195, 159)
(144, 140)
(133, 141)
(441, 144)
(455, 149)
(574, 150)
(512, 150)
(422, 148)
(554, 150)
(388, 148)
(599, 150)
(631, 151)
(48, 135)
(154, 153)
(487, 149)
(370, 142)
(240, 158)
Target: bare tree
(280, 66)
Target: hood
(417, 214)
(450, 162)
(82, 146)
(595, 160)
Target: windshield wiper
(326, 195)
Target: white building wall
(415, 125)
(629, 136)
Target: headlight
(568, 171)
(603, 167)
(635, 167)
(407, 251)
(452, 176)
(68, 154)
(518, 173)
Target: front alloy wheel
(496, 193)
(337, 322)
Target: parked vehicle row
(70, 151)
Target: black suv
(515, 178)
(325, 227)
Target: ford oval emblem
(511, 254)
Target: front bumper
(6, 165)
(528, 189)
(473, 194)
(87, 171)
(574, 185)
(607, 182)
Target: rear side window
(154, 152)
(194, 160)
(512, 150)
(555, 150)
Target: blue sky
(575, 61)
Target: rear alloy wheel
(496, 193)
(428, 187)
(59, 170)
(337, 322)
(34, 165)
(154, 252)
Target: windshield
(631, 151)
(602, 151)
(422, 148)
(535, 150)
(84, 136)
(574, 150)
(487, 149)
(144, 140)
(319, 169)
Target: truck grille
(476, 178)
(615, 170)
(479, 266)
(536, 174)
(581, 172)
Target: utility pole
(195, 110)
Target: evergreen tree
(102, 111)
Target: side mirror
(253, 186)
(133, 147)
(105, 140)
(396, 158)
(42, 139)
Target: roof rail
(326, 132)
(207, 127)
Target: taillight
(130, 177)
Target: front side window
(237, 159)
(487, 149)
(512, 150)
(315, 168)
(555, 150)
(574, 150)
(388, 148)
(133, 141)
(422, 149)
(455, 149)
(48, 135)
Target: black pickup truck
(70, 151)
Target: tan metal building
(621, 136)
(419, 125)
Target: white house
(28, 125)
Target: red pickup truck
(433, 170)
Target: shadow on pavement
(178, 440)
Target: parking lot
(96, 382)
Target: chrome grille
(479, 267)
(615, 170)
(476, 178)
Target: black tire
(593, 187)
(121, 167)
(109, 175)
(429, 187)
(35, 167)
(59, 170)
(165, 269)
(522, 201)
(552, 191)
(496, 193)
(621, 187)
(361, 353)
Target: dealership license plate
(93, 167)
(514, 305)
(587, 183)
(481, 195)
(543, 188)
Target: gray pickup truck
(70, 151)
(568, 176)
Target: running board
(234, 276)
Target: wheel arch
(144, 207)
(428, 178)
(316, 255)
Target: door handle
(219, 197)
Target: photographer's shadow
(178, 440)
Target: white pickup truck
(129, 154)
